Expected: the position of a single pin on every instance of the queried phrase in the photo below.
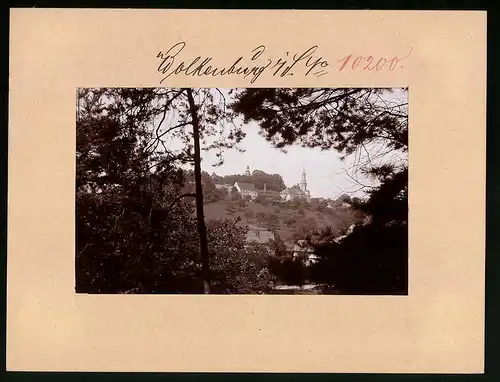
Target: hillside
(289, 220)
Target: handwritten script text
(307, 63)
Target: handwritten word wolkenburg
(307, 63)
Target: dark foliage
(374, 258)
(273, 182)
(289, 271)
(135, 228)
(338, 118)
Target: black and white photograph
(291, 191)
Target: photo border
(492, 237)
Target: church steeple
(247, 172)
(303, 182)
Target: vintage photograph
(296, 191)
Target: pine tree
(371, 127)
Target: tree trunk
(200, 217)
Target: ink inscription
(307, 62)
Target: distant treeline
(273, 182)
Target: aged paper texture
(437, 328)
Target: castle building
(247, 172)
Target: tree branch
(165, 108)
(178, 198)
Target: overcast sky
(325, 171)
(327, 175)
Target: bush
(235, 267)
(123, 246)
(372, 260)
(289, 271)
(261, 217)
(240, 203)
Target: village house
(247, 189)
(269, 194)
(294, 193)
(259, 235)
(227, 187)
(302, 249)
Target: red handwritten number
(368, 62)
(369, 59)
(393, 63)
(383, 61)
(356, 62)
(346, 60)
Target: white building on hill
(247, 189)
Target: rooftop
(246, 186)
(293, 191)
(258, 235)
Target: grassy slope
(338, 220)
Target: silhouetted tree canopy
(354, 122)
(136, 229)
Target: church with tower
(298, 192)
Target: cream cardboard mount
(437, 328)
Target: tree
(326, 232)
(290, 271)
(214, 195)
(237, 268)
(261, 217)
(128, 230)
(344, 198)
(353, 122)
(369, 261)
(290, 222)
(235, 195)
(200, 216)
(198, 118)
(304, 229)
(340, 118)
(278, 247)
(272, 221)
(273, 182)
